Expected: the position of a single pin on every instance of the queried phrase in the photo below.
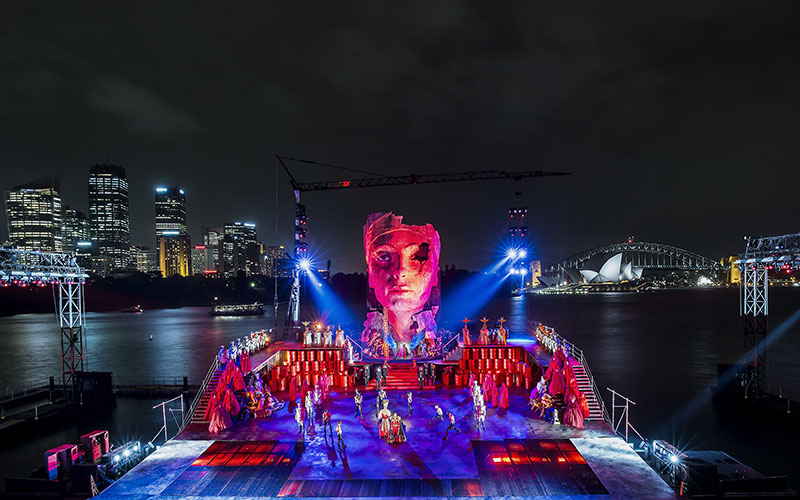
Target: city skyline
(666, 109)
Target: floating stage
(517, 455)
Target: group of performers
(243, 347)
(559, 379)
(498, 336)
(232, 393)
(317, 337)
(380, 346)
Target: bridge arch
(642, 254)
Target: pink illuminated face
(402, 270)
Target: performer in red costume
(237, 380)
(304, 389)
(244, 363)
(570, 383)
(212, 403)
(503, 397)
(220, 390)
(555, 373)
(573, 416)
(230, 403)
(219, 421)
(495, 395)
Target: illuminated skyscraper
(212, 239)
(240, 250)
(109, 219)
(170, 210)
(75, 229)
(174, 244)
(34, 216)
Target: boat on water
(254, 309)
(133, 309)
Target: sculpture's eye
(383, 257)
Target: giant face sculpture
(403, 266)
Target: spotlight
(512, 254)
(305, 264)
(523, 271)
(127, 453)
(673, 459)
(522, 254)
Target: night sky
(679, 120)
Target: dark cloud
(678, 120)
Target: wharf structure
(517, 455)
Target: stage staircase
(585, 386)
(199, 413)
(403, 376)
(454, 355)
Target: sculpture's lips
(400, 289)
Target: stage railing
(451, 345)
(187, 418)
(550, 340)
(624, 414)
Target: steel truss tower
(761, 255)
(24, 268)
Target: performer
(495, 394)
(366, 374)
(381, 397)
(465, 333)
(328, 337)
(244, 363)
(410, 402)
(480, 413)
(324, 384)
(317, 395)
(452, 419)
(339, 336)
(398, 436)
(378, 377)
(220, 420)
(317, 335)
(230, 403)
(539, 390)
(385, 371)
(421, 375)
(213, 402)
(350, 357)
(257, 382)
(385, 427)
(304, 389)
(307, 339)
(326, 422)
(237, 380)
(555, 373)
(439, 415)
(298, 417)
(359, 399)
(222, 356)
(488, 383)
(503, 396)
(573, 416)
(483, 334)
(502, 335)
(471, 381)
(310, 409)
(340, 441)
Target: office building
(240, 255)
(144, 259)
(174, 254)
(109, 219)
(170, 210)
(75, 230)
(34, 216)
(212, 239)
(202, 260)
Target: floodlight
(305, 264)
(512, 254)
(522, 254)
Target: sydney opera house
(613, 271)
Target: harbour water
(660, 349)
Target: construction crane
(376, 180)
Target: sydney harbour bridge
(642, 257)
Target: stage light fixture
(522, 254)
(523, 271)
(674, 459)
(512, 254)
(305, 264)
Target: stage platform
(517, 455)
